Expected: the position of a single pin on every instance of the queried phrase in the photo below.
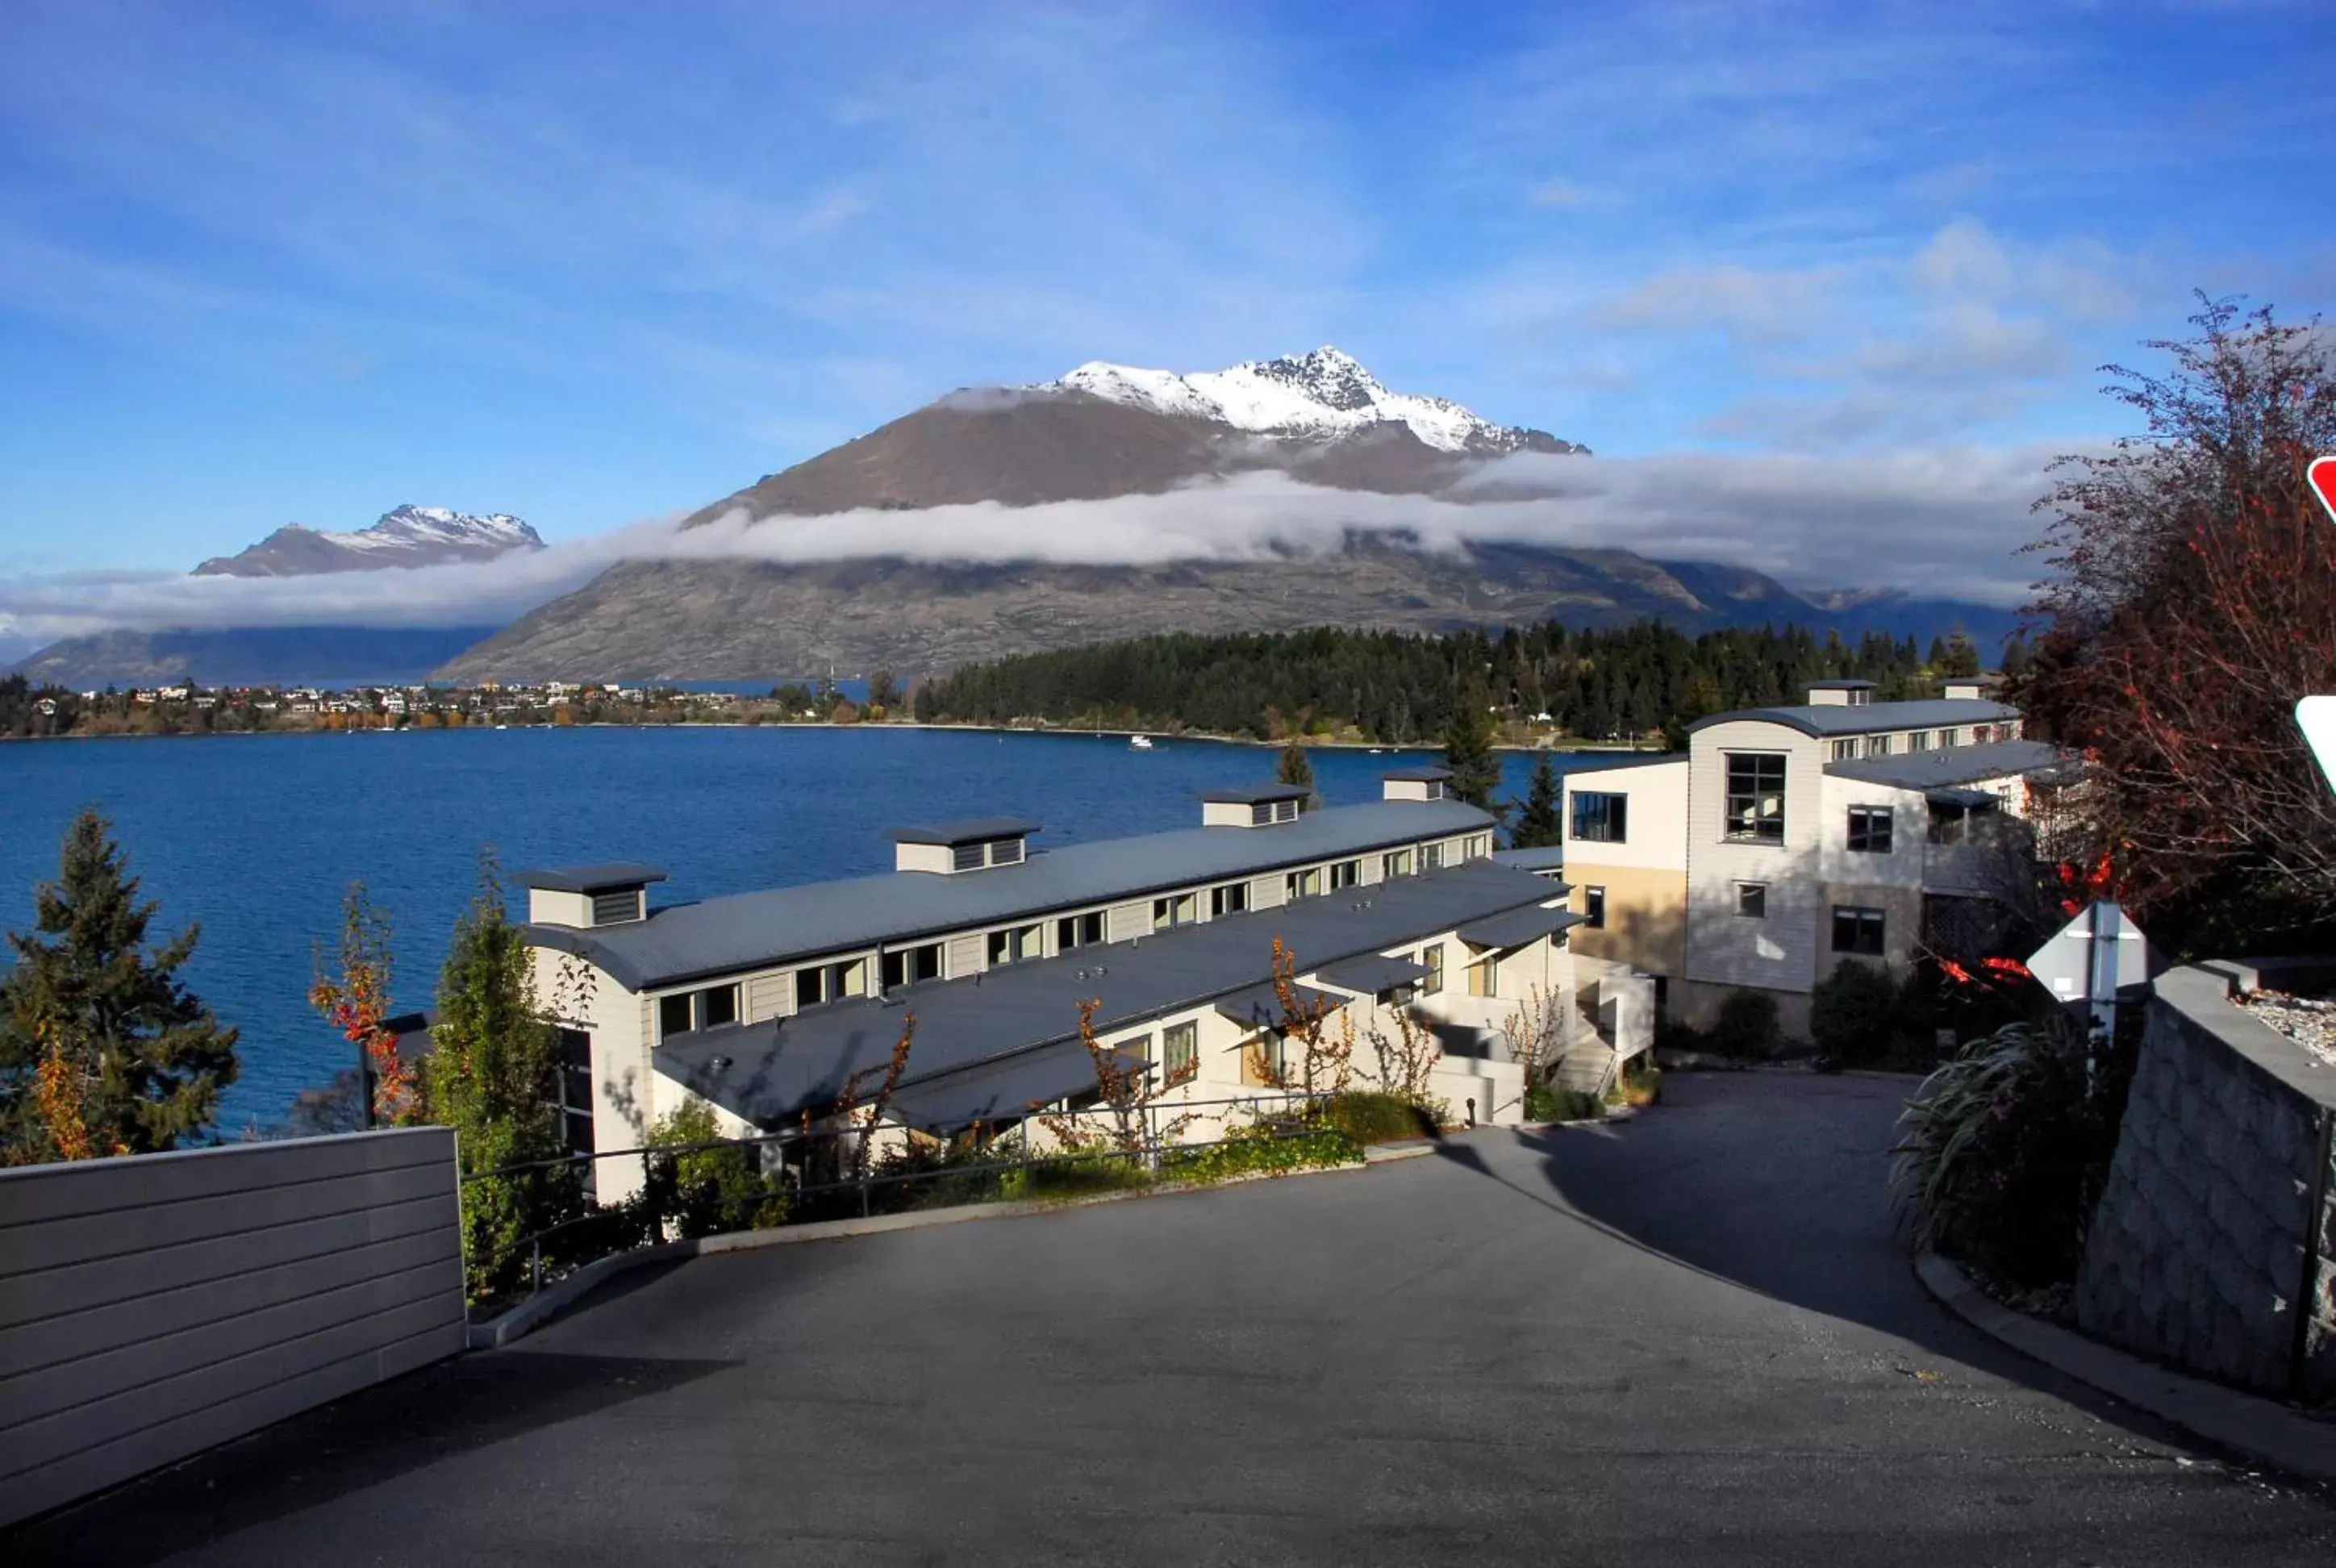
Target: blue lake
(257, 836)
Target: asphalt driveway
(1687, 1338)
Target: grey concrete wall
(2197, 1251)
(152, 1306)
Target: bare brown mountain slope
(747, 620)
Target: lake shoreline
(1574, 747)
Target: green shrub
(1642, 1082)
(1855, 1013)
(1747, 1026)
(2003, 1152)
(1370, 1118)
(706, 1191)
(1074, 1177)
(1267, 1147)
(1556, 1104)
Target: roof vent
(1415, 783)
(1261, 805)
(1840, 693)
(605, 893)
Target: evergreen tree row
(1402, 688)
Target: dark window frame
(1871, 830)
(1600, 817)
(1594, 908)
(1752, 900)
(1748, 778)
(1865, 929)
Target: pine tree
(1468, 750)
(102, 1050)
(1538, 826)
(1296, 768)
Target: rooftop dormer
(1415, 783)
(1257, 807)
(948, 849)
(1840, 693)
(607, 893)
(1974, 687)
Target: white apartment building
(768, 1004)
(1787, 839)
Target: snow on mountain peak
(1326, 392)
(410, 527)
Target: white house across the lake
(771, 1006)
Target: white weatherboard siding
(1655, 835)
(1269, 892)
(1127, 921)
(965, 956)
(770, 995)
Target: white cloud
(1941, 522)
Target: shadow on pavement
(1778, 1183)
(362, 1441)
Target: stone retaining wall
(2196, 1251)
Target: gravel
(2309, 1021)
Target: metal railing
(806, 1176)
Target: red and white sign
(2322, 475)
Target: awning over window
(1969, 800)
(1518, 927)
(1001, 1091)
(1259, 1007)
(1375, 974)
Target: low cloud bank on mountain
(1940, 522)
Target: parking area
(1692, 1337)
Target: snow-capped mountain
(1323, 394)
(407, 536)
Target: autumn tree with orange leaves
(2191, 600)
(356, 1003)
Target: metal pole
(535, 1269)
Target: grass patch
(1079, 1176)
(1368, 1118)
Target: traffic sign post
(2092, 957)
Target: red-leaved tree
(2192, 600)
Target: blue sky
(596, 264)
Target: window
(1869, 830)
(1949, 737)
(1756, 797)
(1485, 978)
(1857, 931)
(1842, 751)
(1179, 1047)
(618, 908)
(1228, 900)
(1752, 900)
(1139, 1047)
(1303, 884)
(575, 1090)
(1877, 745)
(1394, 863)
(1180, 910)
(1602, 818)
(1594, 907)
(1919, 741)
(1345, 874)
(826, 983)
(1431, 857)
(1480, 846)
(696, 1010)
(907, 966)
(1013, 945)
(965, 857)
(1078, 931)
(1276, 1063)
(1433, 958)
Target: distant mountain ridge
(405, 536)
(252, 656)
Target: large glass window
(1431, 857)
(1752, 900)
(1433, 958)
(1182, 910)
(1594, 908)
(1756, 797)
(1302, 884)
(1345, 874)
(907, 966)
(697, 1010)
(1394, 863)
(1869, 830)
(1228, 900)
(1857, 931)
(1181, 1051)
(1078, 931)
(1604, 819)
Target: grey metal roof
(757, 931)
(1518, 927)
(1932, 713)
(1249, 795)
(1841, 685)
(1000, 1091)
(1540, 858)
(768, 1072)
(974, 829)
(1417, 775)
(1967, 799)
(594, 878)
(1623, 760)
(1930, 770)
